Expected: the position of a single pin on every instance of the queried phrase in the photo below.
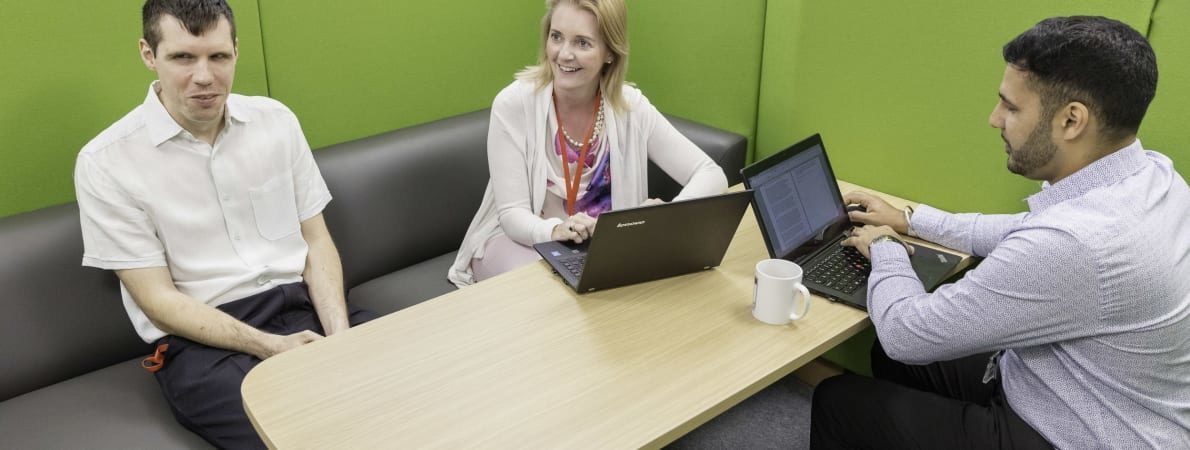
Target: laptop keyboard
(845, 269)
(574, 264)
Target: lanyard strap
(572, 186)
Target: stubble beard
(1037, 151)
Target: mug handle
(805, 302)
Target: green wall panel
(355, 69)
(700, 59)
(901, 91)
(381, 65)
(70, 69)
(1164, 128)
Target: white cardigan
(519, 143)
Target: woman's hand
(577, 228)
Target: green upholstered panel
(379, 65)
(70, 69)
(901, 92)
(355, 69)
(701, 63)
(1165, 126)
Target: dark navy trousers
(202, 383)
(943, 405)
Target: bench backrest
(400, 198)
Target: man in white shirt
(208, 206)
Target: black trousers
(940, 405)
(202, 383)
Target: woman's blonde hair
(612, 17)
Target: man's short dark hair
(1100, 62)
(196, 16)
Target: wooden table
(522, 361)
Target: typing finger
(857, 198)
(860, 217)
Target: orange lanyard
(572, 186)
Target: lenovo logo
(630, 224)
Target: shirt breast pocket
(275, 208)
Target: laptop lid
(646, 243)
(797, 200)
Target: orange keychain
(157, 361)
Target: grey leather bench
(403, 200)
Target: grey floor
(776, 417)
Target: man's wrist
(890, 238)
(885, 238)
(337, 325)
(264, 345)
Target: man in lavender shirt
(1074, 331)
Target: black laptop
(649, 242)
(802, 218)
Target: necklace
(575, 143)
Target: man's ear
(146, 55)
(1072, 120)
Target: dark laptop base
(931, 266)
(555, 253)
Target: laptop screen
(798, 200)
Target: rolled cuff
(544, 231)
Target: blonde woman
(572, 106)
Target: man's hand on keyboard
(862, 237)
(875, 211)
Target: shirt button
(262, 280)
(236, 237)
(226, 198)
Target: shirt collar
(162, 127)
(1106, 171)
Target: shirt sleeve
(679, 158)
(508, 163)
(971, 233)
(310, 191)
(117, 233)
(1037, 286)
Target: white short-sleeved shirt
(225, 219)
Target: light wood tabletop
(522, 361)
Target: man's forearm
(207, 325)
(976, 234)
(178, 314)
(324, 276)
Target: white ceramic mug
(779, 296)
